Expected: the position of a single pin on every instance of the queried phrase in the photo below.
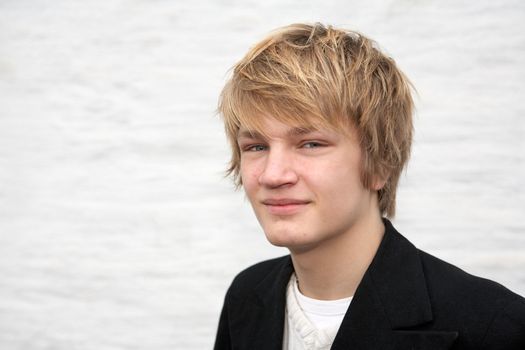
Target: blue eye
(312, 144)
(256, 148)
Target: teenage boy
(320, 126)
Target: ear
(378, 182)
(377, 185)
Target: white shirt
(311, 324)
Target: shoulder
(493, 315)
(248, 279)
(450, 282)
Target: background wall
(117, 229)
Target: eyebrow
(297, 131)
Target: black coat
(407, 299)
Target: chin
(278, 239)
(288, 239)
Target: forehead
(275, 128)
(268, 127)
(293, 125)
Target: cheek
(249, 177)
(340, 182)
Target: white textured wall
(117, 230)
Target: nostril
(275, 176)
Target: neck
(334, 269)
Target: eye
(312, 144)
(254, 148)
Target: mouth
(284, 206)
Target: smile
(284, 206)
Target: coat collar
(390, 302)
(257, 319)
(397, 278)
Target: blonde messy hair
(319, 76)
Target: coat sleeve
(222, 340)
(507, 330)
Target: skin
(305, 189)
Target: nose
(278, 169)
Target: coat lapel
(391, 302)
(259, 320)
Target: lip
(284, 206)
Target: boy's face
(304, 185)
